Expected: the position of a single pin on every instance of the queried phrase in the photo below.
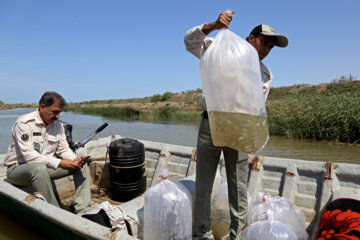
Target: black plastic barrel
(127, 169)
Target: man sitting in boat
(31, 160)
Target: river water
(182, 133)
(173, 132)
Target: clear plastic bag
(282, 211)
(220, 212)
(231, 79)
(264, 202)
(167, 211)
(268, 229)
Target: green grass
(318, 117)
(316, 112)
(336, 88)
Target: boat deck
(307, 185)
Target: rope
(170, 175)
(129, 166)
(103, 172)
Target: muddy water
(183, 134)
(163, 131)
(240, 131)
(311, 150)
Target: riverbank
(328, 111)
(129, 113)
(4, 106)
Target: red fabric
(339, 222)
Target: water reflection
(311, 150)
(172, 132)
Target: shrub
(198, 90)
(344, 79)
(166, 96)
(156, 98)
(161, 98)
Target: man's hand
(82, 160)
(223, 21)
(68, 164)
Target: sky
(100, 50)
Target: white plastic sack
(167, 211)
(282, 211)
(231, 80)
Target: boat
(308, 185)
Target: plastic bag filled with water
(167, 211)
(220, 212)
(269, 229)
(281, 211)
(231, 80)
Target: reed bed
(109, 112)
(170, 114)
(323, 112)
(127, 113)
(318, 117)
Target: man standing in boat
(263, 38)
(36, 138)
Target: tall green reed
(319, 117)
